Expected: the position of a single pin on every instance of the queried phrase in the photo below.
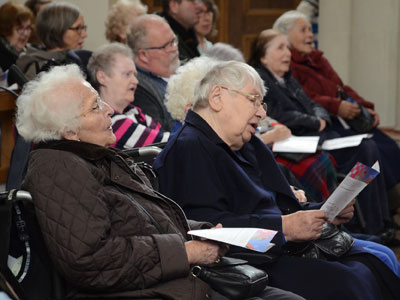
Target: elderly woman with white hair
(228, 175)
(323, 85)
(113, 72)
(108, 233)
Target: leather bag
(333, 243)
(234, 278)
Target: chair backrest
(20, 153)
(33, 277)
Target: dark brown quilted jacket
(98, 238)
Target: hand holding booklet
(357, 179)
(256, 239)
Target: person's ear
(187, 107)
(101, 77)
(142, 56)
(264, 60)
(173, 7)
(68, 134)
(215, 98)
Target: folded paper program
(256, 239)
(355, 181)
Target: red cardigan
(320, 81)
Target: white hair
(223, 51)
(45, 109)
(181, 86)
(231, 74)
(285, 22)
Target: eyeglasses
(79, 28)
(172, 43)
(97, 107)
(256, 99)
(21, 29)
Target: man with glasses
(182, 15)
(155, 47)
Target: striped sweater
(135, 129)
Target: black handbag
(234, 278)
(364, 121)
(333, 243)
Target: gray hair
(103, 59)
(232, 74)
(181, 86)
(137, 33)
(223, 51)
(120, 16)
(53, 21)
(45, 109)
(285, 22)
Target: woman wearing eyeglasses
(61, 27)
(15, 30)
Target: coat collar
(267, 75)
(193, 119)
(87, 151)
(312, 59)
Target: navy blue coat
(291, 106)
(245, 188)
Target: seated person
(217, 170)
(114, 75)
(120, 17)
(323, 85)
(61, 27)
(155, 48)
(93, 204)
(289, 104)
(316, 173)
(207, 25)
(15, 29)
(224, 51)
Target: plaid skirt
(316, 173)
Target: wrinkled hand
(303, 225)
(300, 194)
(375, 115)
(322, 124)
(204, 252)
(348, 110)
(345, 215)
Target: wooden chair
(7, 111)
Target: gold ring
(217, 260)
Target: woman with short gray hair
(217, 170)
(114, 74)
(61, 27)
